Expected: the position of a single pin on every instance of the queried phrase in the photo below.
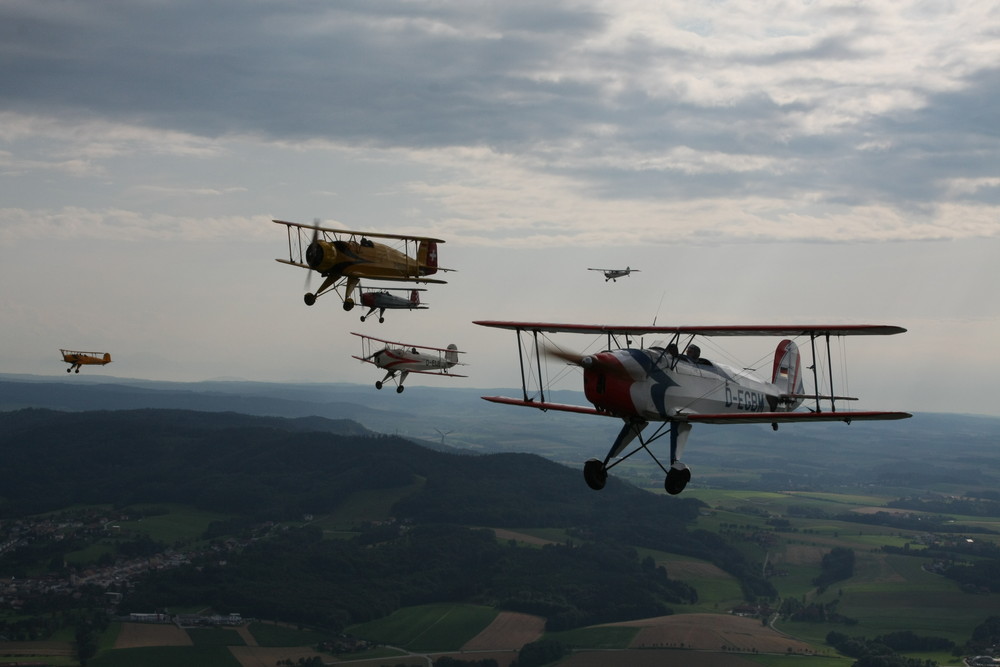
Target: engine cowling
(321, 256)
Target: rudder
(787, 373)
(427, 256)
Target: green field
(434, 627)
(272, 634)
(167, 656)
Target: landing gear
(595, 473)
(391, 375)
(309, 298)
(348, 304)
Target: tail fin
(414, 297)
(427, 256)
(787, 374)
(107, 357)
(451, 356)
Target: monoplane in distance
(344, 258)
(384, 299)
(406, 358)
(614, 274)
(674, 385)
(76, 359)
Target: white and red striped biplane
(672, 383)
(405, 358)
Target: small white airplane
(661, 384)
(614, 274)
(405, 358)
(383, 299)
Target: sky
(759, 163)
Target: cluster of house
(188, 620)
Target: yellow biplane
(345, 258)
(76, 359)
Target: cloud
(772, 121)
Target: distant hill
(914, 454)
(279, 469)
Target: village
(33, 564)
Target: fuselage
(86, 359)
(367, 259)
(655, 385)
(387, 301)
(412, 360)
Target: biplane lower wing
(397, 279)
(748, 418)
(789, 417)
(543, 405)
(440, 371)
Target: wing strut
(538, 367)
(829, 369)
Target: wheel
(77, 370)
(349, 304)
(362, 318)
(68, 370)
(309, 298)
(677, 478)
(595, 474)
(378, 385)
(399, 389)
(381, 320)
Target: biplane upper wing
(377, 235)
(392, 342)
(712, 330)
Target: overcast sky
(769, 162)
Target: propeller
(308, 286)
(586, 361)
(574, 358)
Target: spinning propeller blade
(315, 235)
(586, 361)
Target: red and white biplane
(405, 358)
(673, 384)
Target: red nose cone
(607, 385)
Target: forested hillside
(265, 470)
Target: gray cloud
(829, 104)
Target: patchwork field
(508, 631)
(137, 635)
(713, 632)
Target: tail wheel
(595, 474)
